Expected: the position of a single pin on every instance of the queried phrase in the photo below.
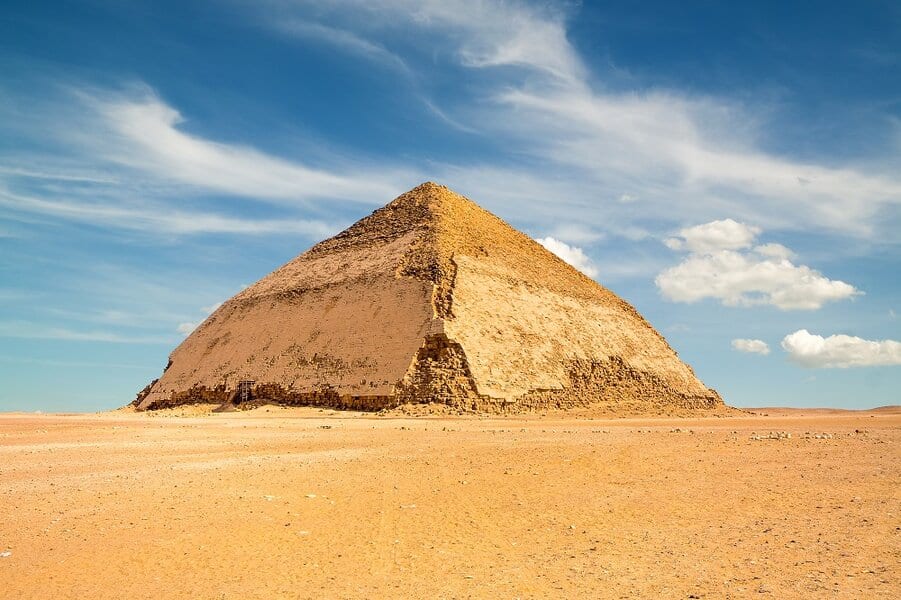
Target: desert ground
(304, 503)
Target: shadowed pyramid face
(429, 299)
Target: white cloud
(576, 233)
(486, 34)
(69, 363)
(343, 39)
(211, 308)
(726, 234)
(685, 156)
(27, 330)
(123, 159)
(751, 346)
(141, 131)
(840, 351)
(718, 267)
(56, 176)
(441, 114)
(572, 255)
(186, 328)
(160, 219)
(774, 251)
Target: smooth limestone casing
(429, 299)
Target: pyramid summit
(430, 299)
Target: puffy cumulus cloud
(723, 265)
(573, 255)
(839, 351)
(751, 346)
(726, 234)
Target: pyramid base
(609, 383)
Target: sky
(731, 169)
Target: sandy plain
(302, 503)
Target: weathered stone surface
(429, 299)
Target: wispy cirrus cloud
(140, 131)
(690, 156)
(482, 34)
(24, 360)
(677, 155)
(37, 331)
(583, 152)
(119, 159)
(56, 175)
(160, 219)
(342, 39)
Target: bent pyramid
(429, 299)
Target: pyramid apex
(429, 185)
(428, 193)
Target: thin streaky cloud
(344, 40)
(34, 331)
(56, 176)
(23, 360)
(485, 34)
(140, 131)
(161, 219)
(438, 112)
(687, 156)
(663, 147)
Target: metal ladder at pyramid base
(242, 395)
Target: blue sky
(733, 171)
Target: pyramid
(430, 299)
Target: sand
(300, 503)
